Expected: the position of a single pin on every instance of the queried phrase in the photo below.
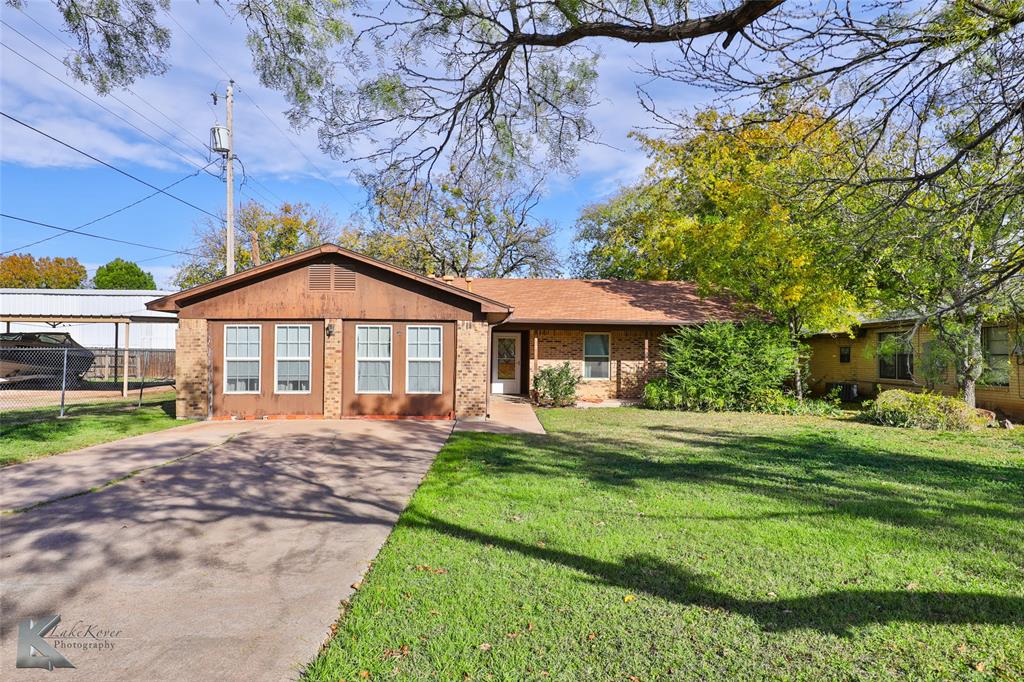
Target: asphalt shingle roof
(602, 300)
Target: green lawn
(33, 433)
(630, 544)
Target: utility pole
(230, 170)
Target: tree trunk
(798, 370)
(971, 365)
(967, 391)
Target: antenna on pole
(222, 141)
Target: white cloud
(182, 94)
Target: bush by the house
(723, 366)
(555, 386)
(922, 410)
(660, 395)
(774, 401)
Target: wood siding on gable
(344, 289)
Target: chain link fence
(40, 383)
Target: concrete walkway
(509, 414)
(229, 564)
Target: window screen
(898, 363)
(844, 353)
(373, 359)
(995, 347)
(293, 358)
(596, 356)
(423, 359)
(241, 359)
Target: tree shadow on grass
(817, 471)
(834, 612)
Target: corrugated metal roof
(82, 303)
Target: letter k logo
(33, 650)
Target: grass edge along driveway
(30, 434)
(629, 544)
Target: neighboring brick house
(330, 332)
(846, 359)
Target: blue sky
(44, 181)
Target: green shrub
(660, 395)
(922, 410)
(555, 386)
(775, 401)
(723, 366)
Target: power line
(103, 106)
(95, 236)
(126, 105)
(287, 138)
(202, 143)
(107, 215)
(110, 166)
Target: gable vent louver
(325, 277)
(344, 279)
(319, 277)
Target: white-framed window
(293, 358)
(423, 359)
(596, 356)
(242, 358)
(373, 358)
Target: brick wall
(333, 362)
(862, 369)
(192, 369)
(628, 371)
(472, 369)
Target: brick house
(856, 360)
(333, 333)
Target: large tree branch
(729, 22)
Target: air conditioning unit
(848, 391)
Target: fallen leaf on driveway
(357, 585)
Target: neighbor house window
(995, 347)
(423, 360)
(895, 356)
(844, 353)
(241, 358)
(596, 356)
(373, 359)
(293, 358)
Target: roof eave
(172, 302)
(599, 322)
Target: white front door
(505, 364)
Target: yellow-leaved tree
(736, 209)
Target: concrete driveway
(227, 564)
